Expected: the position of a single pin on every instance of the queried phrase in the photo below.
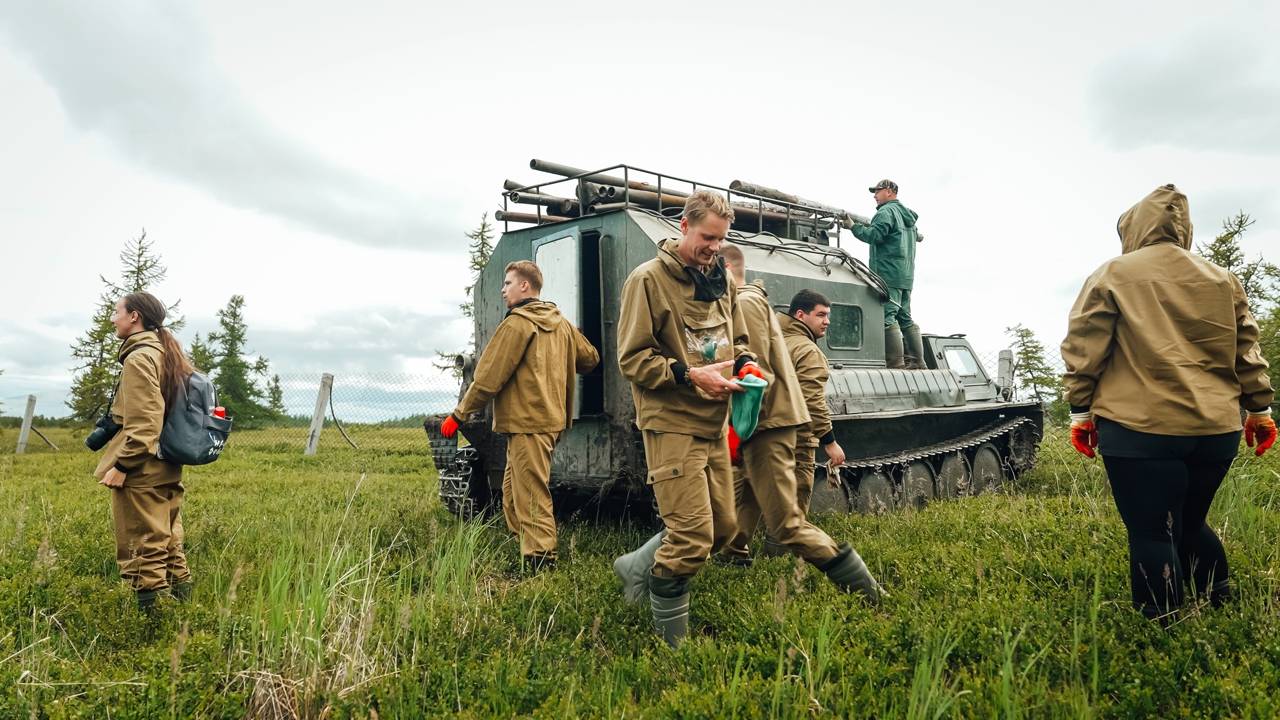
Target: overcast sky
(325, 161)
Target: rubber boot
(773, 548)
(634, 569)
(147, 601)
(539, 563)
(913, 347)
(669, 601)
(850, 574)
(181, 591)
(893, 348)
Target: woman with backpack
(146, 492)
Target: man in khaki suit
(528, 369)
(766, 487)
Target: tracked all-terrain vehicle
(910, 435)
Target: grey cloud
(1212, 90)
(360, 341)
(142, 75)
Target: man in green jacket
(892, 236)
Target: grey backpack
(192, 434)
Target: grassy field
(336, 586)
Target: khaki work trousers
(526, 492)
(766, 488)
(692, 481)
(148, 527)
(805, 451)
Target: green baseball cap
(883, 185)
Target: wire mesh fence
(362, 413)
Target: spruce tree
(275, 397)
(479, 251)
(1031, 368)
(95, 352)
(1261, 282)
(234, 373)
(201, 356)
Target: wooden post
(317, 418)
(25, 432)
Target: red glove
(1262, 429)
(735, 455)
(1084, 437)
(751, 369)
(449, 427)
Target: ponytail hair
(175, 368)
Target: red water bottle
(220, 412)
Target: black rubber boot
(539, 563)
(669, 600)
(181, 591)
(147, 601)
(850, 574)
(773, 548)
(634, 569)
(893, 358)
(913, 347)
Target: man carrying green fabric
(892, 236)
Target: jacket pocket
(706, 334)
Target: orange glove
(735, 454)
(751, 369)
(1084, 434)
(449, 427)
(1260, 428)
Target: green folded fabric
(745, 414)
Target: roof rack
(619, 187)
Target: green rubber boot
(850, 574)
(181, 591)
(893, 358)
(913, 347)
(634, 568)
(669, 600)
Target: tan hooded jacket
(783, 404)
(813, 372)
(661, 326)
(528, 370)
(1160, 340)
(139, 409)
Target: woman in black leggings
(1162, 358)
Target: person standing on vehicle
(680, 333)
(528, 370)
(146, 492)
(1162, 358)
(766, 486)
(892, 236)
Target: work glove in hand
(735, 453)
(1261, 429)
(751, 369)
(1084, 434)
(449, 427)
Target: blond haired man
(680, 334)
(527, 369)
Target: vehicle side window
(845, 332)
(961, 360)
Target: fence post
(25, 432)
(317, 418)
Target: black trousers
(1163, 487)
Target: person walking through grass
(1162, 360)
